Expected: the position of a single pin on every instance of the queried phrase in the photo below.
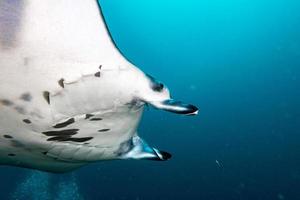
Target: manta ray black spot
(8, 136)
(66, 132)
(6, 102)
(104, 130)
(61, 83)
(46, 96)
(26, 97)
(11, 154)
(64, 124)
(69, 139)
(59, 138)
(100, 67)
(97, 74)
(20, 110)
(84, 139)
(95, 119)
(27, 121)
(87, 116)
(45, 152)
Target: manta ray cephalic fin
(140, 150)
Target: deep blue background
(239, 61)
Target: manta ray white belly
(75, 124)
(67, 95)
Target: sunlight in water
(35, 186)
(68, 190)
(39, 185)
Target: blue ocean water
(239, 61)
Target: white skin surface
(43, 42)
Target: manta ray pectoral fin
(177, 107)
(141, 150)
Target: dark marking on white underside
(97, 74)
(27, 121)
(46, 96)
(69, 138)
(87, 116)
(8, 136)
(66, 132)
(104, 130)
(61, 82)
(26, 97)
(6, 102)
(64, 124)
(20, 110)
(65, 136)
(96, 119)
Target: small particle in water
(193, 87)
(218, 163)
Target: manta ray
(68, 97)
